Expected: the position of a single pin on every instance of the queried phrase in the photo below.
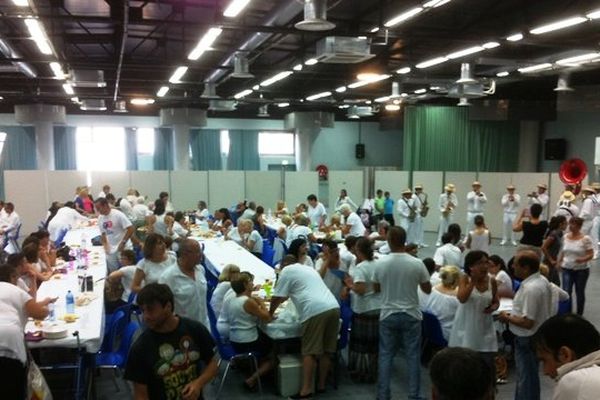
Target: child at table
(119, 282)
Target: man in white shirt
(105, 190)
(188, 283)
(566, 206)
(66, 218)
(353, 225)
(595, 234)
(448, 253)
(407, 213)
(540, 197)
(319, 313)
(476, 200)
(446, 204)
(397, 277)
(140, 209)
(421, 206)
(116, 230)
(532, 306)
(316, 211)
(125, 206)
(10, 221)
(510, 203)
(587, 210)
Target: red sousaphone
(572, 172)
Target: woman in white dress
(230, 273)
(473, 326)
(503, 280)
(344, 199)
(442, 301)
(156, 260)
(479, 238)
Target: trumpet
(449, 208)
(532, 194)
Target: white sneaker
(514, 244)
(437, 244)
(423, 245)
(502, 243)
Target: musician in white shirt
(407, 213)
(587, 212)
(540, 197)
(595, 233)
(419, 199)
(510, 203)
(475, 202)
(446, 204)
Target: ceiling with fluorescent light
(139, 51)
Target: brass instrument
(424, 207)
(412, 215)
(449, 207)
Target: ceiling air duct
(464, 102)
(563, 83)
(315, 17)
(92, 78)
(93, 105)
(210, 91)
(263, 111)
(120, 106)
(466, 74)
(241, 68)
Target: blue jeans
(528, 376)
(396, 329)
(579, 279)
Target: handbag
(37, 387)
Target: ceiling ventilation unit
(91, 78)
(563, 83)
(464, 102)
(120, 106)
(467, 87)
(93, 105)
(356, 112)
(222, 105)
(263, 111)
(343, 50)
(210, 91)
(315, 17)
(241, 68)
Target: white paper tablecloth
(90, 323)
(287, 325)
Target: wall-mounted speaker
(555, 149)
(359, 151)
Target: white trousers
(415, 231)
(444, 223)
(507, 231)
(595, 234)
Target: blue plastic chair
(268, 253)
(516, 285)
(564, 307)
(114, 325)
(227, 352)
(432, 330)
(280, 249)
(116, 360)
(271, 234)
(343, 337)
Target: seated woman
(230, 273)
(281, 209)
(332, 269)
(160, 222)
(244, 314)
(47, 250)
(247, 237)
(222, 222)
(202, 212)
(156, 260)
(497, 269)
(335, 224)
(299, 249)
(301, 209)
(300, 230)
(25, 276)
(180, 226)
(259, 221)
(83, 202)
(442, 301)
(31, 251)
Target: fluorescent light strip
(392, 107)
(554, 26)
(318, 96)
(204, 44)
(178, 74)
(358, 84)
(465, 52)
(235, 7)
(578, 59)
(38, 35)
(515, 38)
(243, 94)
(404, 70)
(341, 89)
(490, 45)
(502, 74)
(432, 62)
(276, 78)
(298, 67)
(142, 102)
(534, 68)
(374, 30)
(311, 61)
(382, 99)
(435, 3)
(57, 69)
(162, 91)
(403, 17)
(21, 3)
(68, 89)
(283, 105)
(594, 14)
(420, 91)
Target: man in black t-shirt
(174, 358)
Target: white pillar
(181, 147)
(181, 120)
(304, 142)
(44, 144)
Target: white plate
(55, 330)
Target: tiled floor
(348, 390)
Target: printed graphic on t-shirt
(177, 367)
(107, 227)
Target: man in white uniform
(188, 283)
(407, 213)
(540, 197)
(476, 200)
(510, 203)
(587, 212)
(596, 221)
(116, 231)
(446, 204)
(354, 225)
(10, 220)
(419, 199)
(316, 211)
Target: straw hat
(476, 183)
(596, 185)
(419, 187)
(542, 186)
(449, 187)
(510, 187)
(407, 191)
(588, 189)
(567, 196)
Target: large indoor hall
(299, 199)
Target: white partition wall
(150, 183)
(433, 186)
(119, 182)
(62, 184)
(187, 187)
(494, 186)
(264, 187)
(394, 182)
(352, 181)
(462, 181)
(298, 185)
(526, 182)
(225, 188)
(30, 199)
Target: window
(276, 144)
(2, 140)
(145, 141)
(224, 142)
(100, 148)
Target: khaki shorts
(320, 333)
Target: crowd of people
(353, 258)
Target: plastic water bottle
(70, 299)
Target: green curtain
(131, 149)
(206, 149)
(163, 153)
(243, 150)
(65, 156)
(18, 152)
(444, 139)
